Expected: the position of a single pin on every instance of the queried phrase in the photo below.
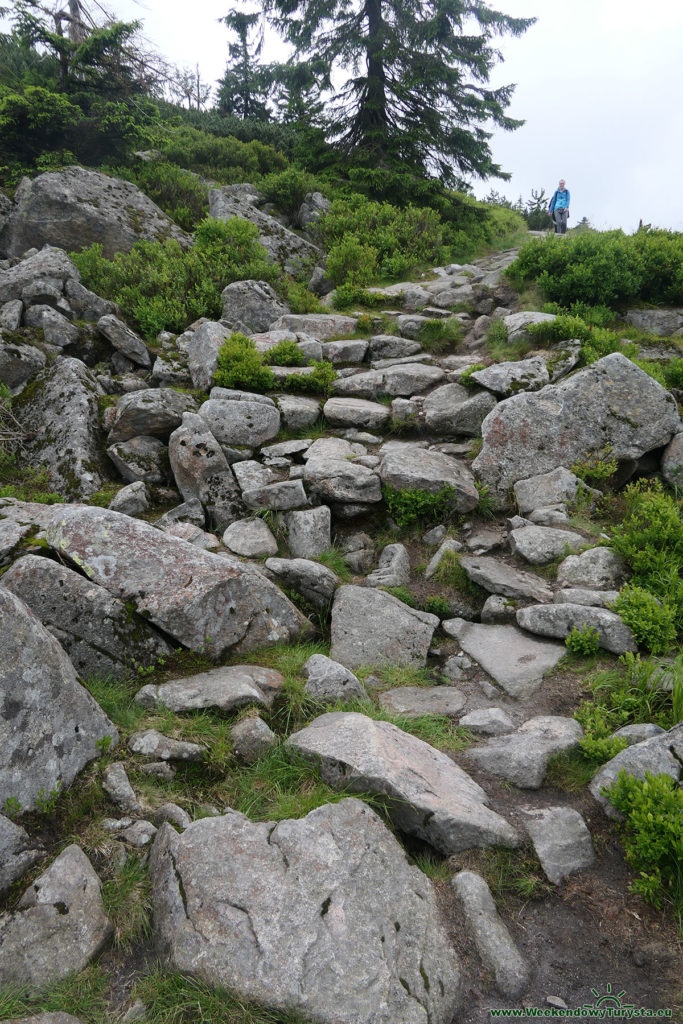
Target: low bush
(584, 641)
(178, 193)
(224, 159)
(353, 262)
(285, 353)
(652, 622)
(159, 287)
(439, 336)
(239, 365)
(407, 506)
(596, 467)
(319, 382)
(653, 839)
(287, 189)
(438, 606)
(348, 295)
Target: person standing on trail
(559, 208)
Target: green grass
(515, 873)
(128, 903)
(433, 866)
(334, 560)
(82, 995)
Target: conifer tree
(243, 90)
(418, 71)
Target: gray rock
(427, 795)
(139, 834)
(48, 264)
(403, 379)
(131, 500)
(663, 322)
(370, 627)
(334, 479)
(141, 458)
(203, 347)
(554, 516)
(327, 681)
(253, 304)
(454, 409)
(95, 629)
(50, 726)
(499, 611)
(151, 743)
(189, 512)
(298, 413)
(57, 329)
(242, 419)
(208, 602)
(85, 304)
(394, 568)
(449, 546)
(660, 755)
(308, 532)
(252, 738)
(499, 578)
(62, 416)
(174, 814)
(251, 474)
(517, 324)
(282, 245)
(561, 840)
(558, 620)
(201, 471)
(282, 496)
(558, 487)
(314, 206)
(155, 412)
(58, 927)
(75, 207)
(315, 582)
(638, 732)
(356, 412)
(351, 351)
(116, 785)
(47, 1018)
(516, 662)
(610, 402)
(582, 595)
(250, 538)
(11, 314)
(495, 945)
(413, 701)
(322, 326)
(415, 468)
(124, 340)
(522, 757)
(19, 364)
(390, 346)
(228, 689)
(598, 568)
(507, 379)
(488, 722)
(672, 462)
(541, 544)
(11, 534)
(357, 917)
(18, 852)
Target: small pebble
(555, 1001)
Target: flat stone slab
(488, 722)
(511, 377)
(322, 916)
(541, 544)
(58, 927)
(413, 701)
(522, 757)
(250, 538)
(151, 743)
(495, 945)
(514, 660)
(227, 688)
(499, 578)
(206, 601)
(370, 627)
(356, 412)
(561, 840)
(558, 487)
(558, 620)
(427, 794)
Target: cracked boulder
(50, 726)
(206, 602)
(321, 916)
(59, 925)
(370, 627)
(96, 630)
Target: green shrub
(497, 333)
(584, 641)
(159, 287)
(604, 268)
(299, 298)
(178, 193)
(285, 353)
(596, 467)
(562, 328)
(287, 189)
(352, 261)
(652, 622)
(440, 335)
(348, 295)
(466, 376)
(403, 594)
(240, 365)
(438, 606)
(408, 506)
(320, 382)
(673, 373)
(653, 810)
(225, 159)
(598, 745)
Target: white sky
(599, 84)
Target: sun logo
(610, 998)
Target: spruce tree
(243, 90)
(418, 70)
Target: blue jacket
(560, 200)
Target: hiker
(559, 208)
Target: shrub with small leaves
(407, 506)
(438, 606)
(585, 641)
(596, 467)
(652, 622)
(240, 365)
(285, 353)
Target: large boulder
(409, 468)
(18, 364)
(252, 305)
(75, 207)
(154, 412)
(203, 347)
(51, 266)
(94, 628)
(50, 726)
(61, 413)
(611, 402)
(322, 916)
(240, 418)
(206, 602)
(426, 794)
(370, 627)
(202, 472)
(454, 409)
(18, 852)
(59, 925)
(322, 326)
(282, 245)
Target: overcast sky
(598, 85)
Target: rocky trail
(294, 666)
